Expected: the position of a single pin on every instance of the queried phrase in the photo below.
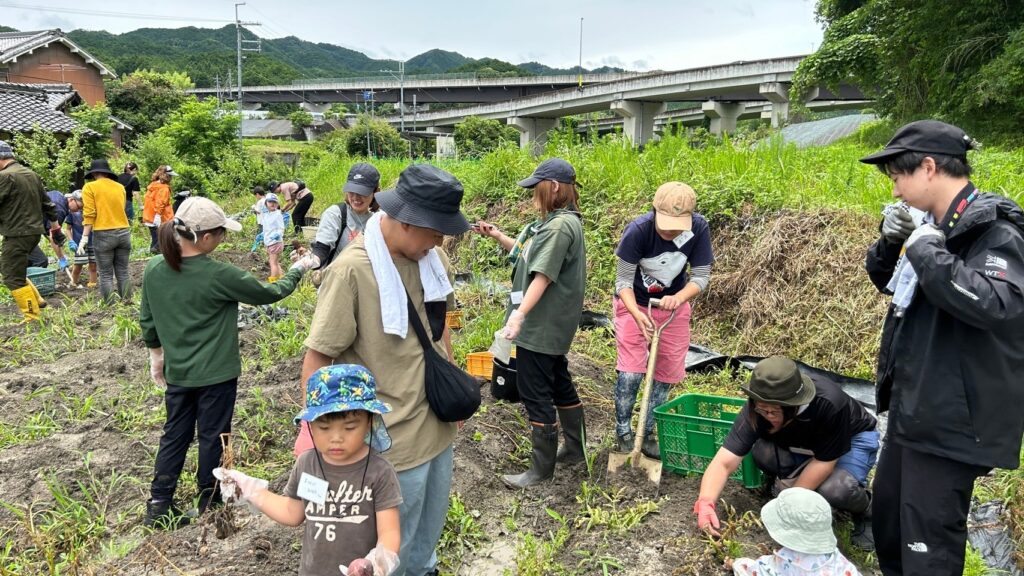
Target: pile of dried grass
(794, 283)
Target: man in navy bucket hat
(391, 275)
(335, 486)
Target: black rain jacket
(951, 370)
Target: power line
(109, 14)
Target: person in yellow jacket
(156, 206)
(23, 204)
(106, 227)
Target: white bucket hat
(801, 520)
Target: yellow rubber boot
(26, 299)
(40, 301)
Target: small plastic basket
(44, 279)
(453, 319)
(309, 233)
(691, 429)
(480, 364)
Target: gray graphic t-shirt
(345, 526)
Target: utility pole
(581, 53)
(239, 49)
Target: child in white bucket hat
(801, 521)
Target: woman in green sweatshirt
(188, 315)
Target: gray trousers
(113, 250)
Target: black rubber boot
(574, 431)
(862, 537)
(649, 447)
(542, 462)
(624, 443)
(164, 515)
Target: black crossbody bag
(452, 393)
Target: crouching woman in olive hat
(804, 433)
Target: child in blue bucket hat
(342, 489)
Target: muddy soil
(97, 449)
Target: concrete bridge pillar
(441, 129)
(533, 132)
(778, 94)
(723, 115)
(315, 108)
(637, 119)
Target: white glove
(379, 562)
(306, 263)
(928, 230)
(82, 244)
(513, 325)
(898, 224)
(156, 360)
(235, 484)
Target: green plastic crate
(44, 279)
(691, 429)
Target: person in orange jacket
(157, 204)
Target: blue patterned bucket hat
(345, 387)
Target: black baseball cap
(551, 169)
(363, 179)
(924, 136)
(428, 197)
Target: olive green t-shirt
(193, 315)
(558, 252)
(347, 327)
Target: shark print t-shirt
(661, 264)
(345, 526)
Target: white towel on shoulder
(394, 308)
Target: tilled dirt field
(102, 421)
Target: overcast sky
(633, 34)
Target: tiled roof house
(49, 56)
(23, 107)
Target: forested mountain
(208, 54)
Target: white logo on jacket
(993, 261)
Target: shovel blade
(618, 461)
(650, 466)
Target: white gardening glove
(379, 562)
(898, 224)
(235, 484)
(513, 325)
(306, 263)
(928, 230)
(156, 361)
(81, 245)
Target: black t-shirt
(824, 428)
(130, 183)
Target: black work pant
(208, 408)
(14, 259)
(919, 511)
(544, 382)
(299, 213)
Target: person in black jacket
(952, 347)
(129, 179)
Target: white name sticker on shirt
(516, 297)
(312, 488)
(683, 238)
